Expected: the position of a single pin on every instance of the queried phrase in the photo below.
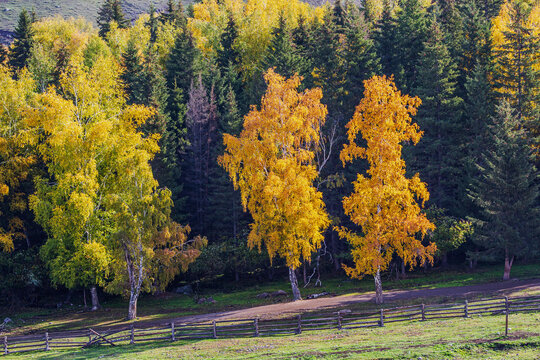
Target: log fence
(343, 319)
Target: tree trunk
(305, 273)
(378, 287)
(132, 312)
(444, 260)
(403, 271)
(294, 285)
(507, 267)
(94, 296)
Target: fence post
(299, 329)
(47, 348)
(5, 346)
(256, 323)
(214, 329)
(466, 309)
(172, 331)
(507, 309)
(132, 335)
(381, 321)
(339, 320)
(423, 307)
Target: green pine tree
(180, 69)
(174, 14)
(22, 43)
(517, 65)
(361, 61)
(479, 107)
(507, 192)
(438, 155)
(3, 54)
(281, 54)
(133, 74)
(153, 24)
(412, 32)
(386, 43)
(111, 10)
(227, 53)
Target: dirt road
(267, 311)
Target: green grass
(171, 306)
(474, 338)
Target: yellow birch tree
(272, 162)
(385, 203)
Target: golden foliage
(16, 155)
(255, 20)
(385, 203)
(272, 164)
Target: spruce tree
(3, 54)
(412, 31)
(22, 43)
(517, 70)
(386, 43)
(281, 54)
(438, 155)
(361, 61)
(174, 14)
(326, 52)
(153, 24)
(227, 52)
(479, 108)
(179, 74)
(507, 192)
(133, 74)
(476, 44)
(111, 10)
(180, 67)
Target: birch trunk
(94, 297)
(294, 285)
(507, 266)
(378, 287)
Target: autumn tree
(272, 164)
(148, 248)
(16, 158)
(79, 137)
(384, 203)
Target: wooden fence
(340, 320)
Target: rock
(279, 293)
(264, 295)
(314, 296)
(208, 300)
(184, 290)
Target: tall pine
(517, 65)
(438, 154)
(22, 43)
(507, 193)
(111, 10)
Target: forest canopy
(206, 140)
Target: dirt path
(267, 311)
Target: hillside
(9, 10)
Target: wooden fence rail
(340, 320)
